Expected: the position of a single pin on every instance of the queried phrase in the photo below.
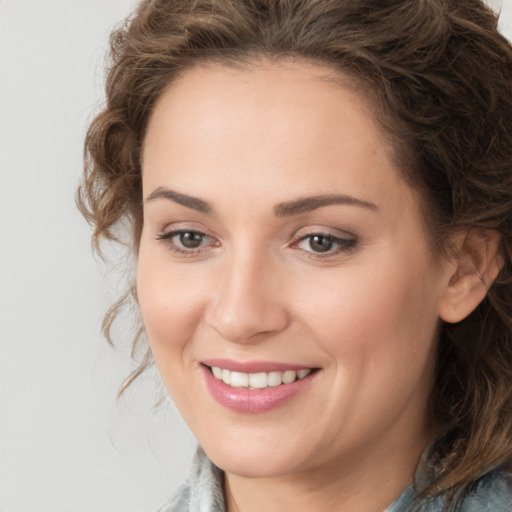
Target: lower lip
(254, 400)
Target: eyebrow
(286, 209)
(308, 204)
(185, 200)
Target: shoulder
(202, 490)
(493, 492)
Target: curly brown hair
(438, 76)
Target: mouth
(258, 380)
(256, 387)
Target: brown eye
(187, 242)
(191, 239)
(320, 243)
(325, 244)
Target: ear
(474, 267)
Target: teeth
(226, 376)
(289, 376)
(303, 373)
(275, 378)
(239, 380)
(259, 380)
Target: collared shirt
(203, 492)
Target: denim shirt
(203, 492)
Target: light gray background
(65, 444)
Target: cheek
(171, 306)
(378, 324)
(368, 305)
(379, 333)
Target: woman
(320, 199)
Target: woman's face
(278, 237)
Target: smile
(260, 380)
(260, 388)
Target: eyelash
(345, 245)
(166, 238)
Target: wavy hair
(438, 76)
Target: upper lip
(253, 366)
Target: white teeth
(259, 380)
(275, 378)
(303, 373)
(289, 376)
(217, 372)
(239, 380)
(226, 376)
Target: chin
(252, 461)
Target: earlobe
(476, 265)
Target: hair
(438, 77)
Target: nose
(247, 301)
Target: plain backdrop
(66, 445)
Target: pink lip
(253, 400)
(253, 366)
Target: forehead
(271, 100)
(297, 126)
(284, 94)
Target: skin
(365, 313)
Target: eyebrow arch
(286, 209)
(308, 204)
(185, 200)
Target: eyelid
(346, 242)
(166, 237)
(320, 230)
(168, 229)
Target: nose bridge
(247, 299)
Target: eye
(190, 239)
(325, 244)
(186, 241)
